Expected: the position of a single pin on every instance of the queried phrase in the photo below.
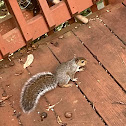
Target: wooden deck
(100, 98)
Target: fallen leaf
(29, 61)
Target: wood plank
(107, 47)
(37, 25)
(47, 13)
(71, 100)
(76, 103)
(83, 4)
(72, 6)
(115, 20)
(3, 46)
(98, 86)
(94, 8)
(114, 1)
(16, 11)
(7, 113)
(13, 85)
(14, 40)
(6, 25)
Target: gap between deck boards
(100, 63)
(56, 52)
(87, 99)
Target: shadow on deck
(100, 98)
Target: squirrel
(43, 82)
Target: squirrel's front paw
(75, 79)
(81, 69)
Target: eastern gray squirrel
(43, 82)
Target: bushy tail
(36, 86)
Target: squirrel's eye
(82, 61)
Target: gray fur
(29, 106)
(43, 82)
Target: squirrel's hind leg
(65, 85)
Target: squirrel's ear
(76, 60)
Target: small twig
(52, 106)
(5, 98)
(121, 103)
(59, 121)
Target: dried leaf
(59, 121)
(29, 60)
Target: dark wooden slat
(75, 102)
(114, 1)
(71, 100)
(94, 8)
(105, 2)
(98, 86)
(6, 24)
(13, 85)
(6, 111)
(107, 47)
(115, 20)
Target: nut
(68, 114)
(43, 115)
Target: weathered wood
(105, 2)
(115, 20)
(72, 6)
(114, 1)
(107, 47)
(6, 24)
(97, 85)
(16, 11)
(33, 27)
(7, 112)
(3, 47)
(94, 8)
(71, 100)
(13, 84)
(15, 38)
(82, 4)
(75, 102)
(47, 13)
